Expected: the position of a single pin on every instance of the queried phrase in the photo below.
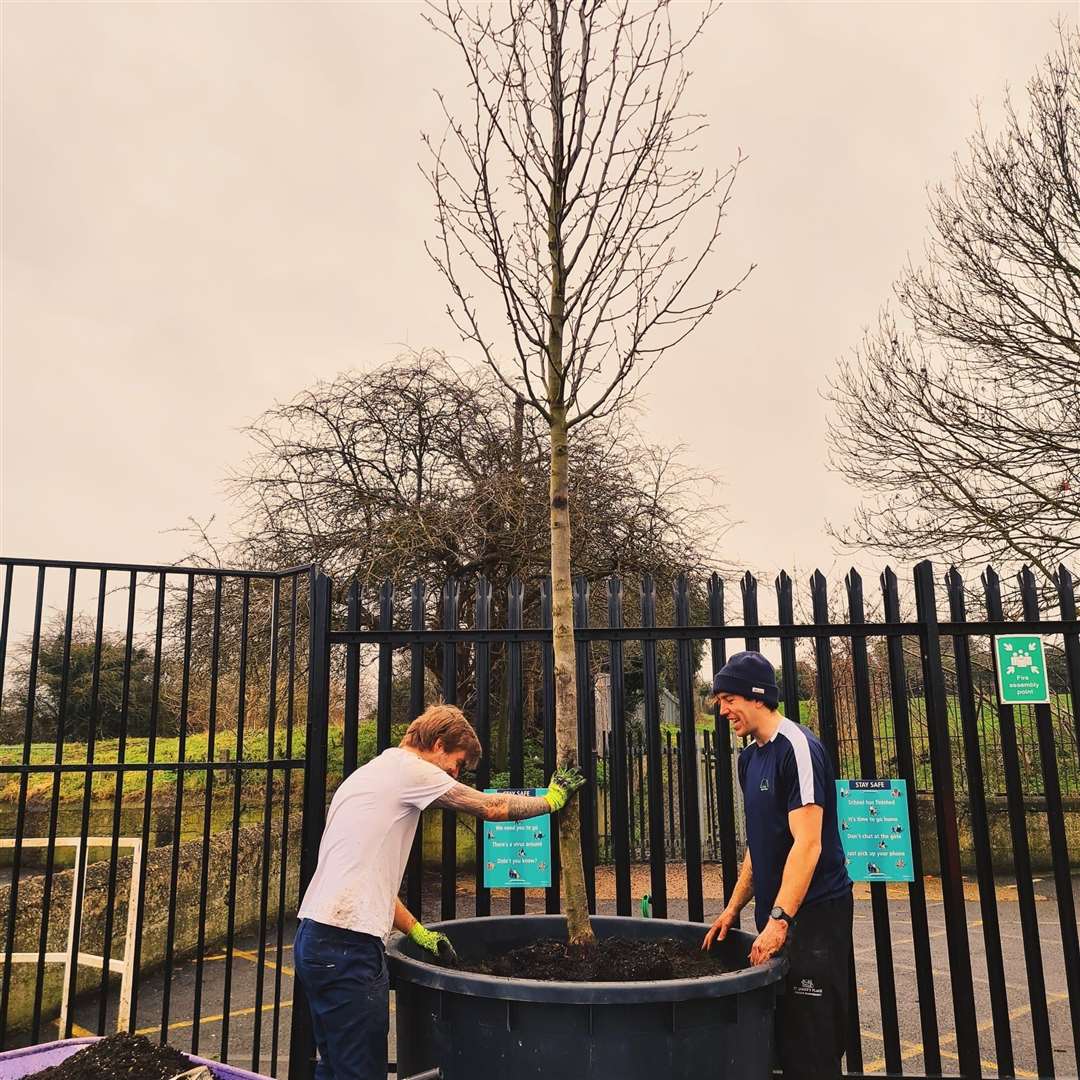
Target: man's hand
(436, 943)
(562, 785)
(718, 931)
(769, 942)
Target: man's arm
(802, 860)
(436, 943)
(740, 897)
(805, 825)
(404, 919)
(744, 887)
(493, 807)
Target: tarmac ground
(230, 1035)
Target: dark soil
(609, 960)
(121, 1057)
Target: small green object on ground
(120, 1057)
(1021, 670)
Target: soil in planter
(609, 960)
(122, 1057)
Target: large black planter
(479, 1026)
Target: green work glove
(436, 943)
(563, 784)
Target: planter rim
(408, 969)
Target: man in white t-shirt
(351, 903)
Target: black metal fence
(151, 761)
(185, 718)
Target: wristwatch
(781, 914)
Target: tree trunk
(574, 898)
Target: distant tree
(417, 470)
(960, 416)
(78, 712)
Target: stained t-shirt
(791, 770)
(365, 845)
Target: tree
(76, 692)
(562, 193)
(960, 417)
(417, 470)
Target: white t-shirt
(365, 845)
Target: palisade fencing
(898, 697)
(152, 753)
(209, 715)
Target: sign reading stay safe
(874, 829)
(1021, 670)
(517, 854)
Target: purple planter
(15, 1064)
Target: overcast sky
(206, 207)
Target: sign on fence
(875, 829)
(517, 854)
(1021, 670)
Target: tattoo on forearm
(468, 800)
(525, 806)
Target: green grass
(167, 750)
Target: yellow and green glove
(563, 784)
(435, 942)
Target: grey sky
(208, 206)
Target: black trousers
(812, 1013)
(344, 976)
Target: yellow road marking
(254, 958)
(77, 1030)
(911, 1050)
(177, 1025)
(247, 954)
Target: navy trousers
(344, 976)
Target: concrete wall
(155, 911)
(1000, 835)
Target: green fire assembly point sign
(517, 854)
(1021, 670)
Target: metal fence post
(920, 930)
(980, 828)
(952, 883)
(1055, 820)
(655, 778)
(302, 1040)
(691, 822)
(617, 781)
(725, 772)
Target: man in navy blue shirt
(794, 868)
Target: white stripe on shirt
(801, 745)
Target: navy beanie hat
(749, 675)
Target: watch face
(777, 913)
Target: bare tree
(562, 193)
(416, 469)
(960, 418)
(420, 470)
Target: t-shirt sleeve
(804, 773)
(740, 767)
(424, 783)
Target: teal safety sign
(1021, 669)
(517, 854)
(874, 829)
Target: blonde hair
(445, 724)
